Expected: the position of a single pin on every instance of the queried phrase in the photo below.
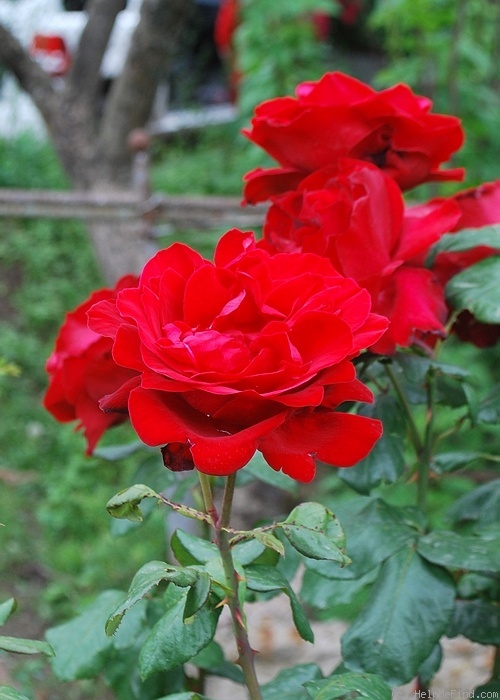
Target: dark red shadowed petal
(177, 457)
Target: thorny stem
(426, 455)
(412, 428)
(221, 525)
(422, 447)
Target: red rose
(81, 371)
(251, 352)
(354, 215)
(338, 116)
(479, 206)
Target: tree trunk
(94, 152)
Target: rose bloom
(354, 215)
(339, 116)
(251, 352)
(81, 371)
(479, 206)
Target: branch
(30, 75)
(84, 76)
(155, 39)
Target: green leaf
(264, 579)
(175, 640)
(25, 646)
(449, 461)
(350, 685)
(7, 693)
(489, 408)
(211, 659)
(466, 239)
(476, 289)
(259, 469)
(456, 551)
(477, 620)
(260, 547)
(6, 610)
(386, 461)
(431, 665)
(481, 505)
(490, 690)
(248, 550)
(324, 593)
(126, 503)
(289, 684)
(409, 609)
(198, 593)
(190, 549)
(132, 626)
(476, 586)
(270, 541)
(315, 532)
(148, 576)
(115, 453)
(80, 644)
(374, 529)
(184, 696)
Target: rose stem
(245, 651)
(423, 448)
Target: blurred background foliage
(57, 547)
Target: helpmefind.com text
(446, 695)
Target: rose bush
(354, 214)
(338, 116)
(251, 352)
(479, 206)
(81, 371)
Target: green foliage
(476, 290)
(448, 51)
(391, 636)
(276, 54)
(348, 685)
(290, 683)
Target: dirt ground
(466, 665)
